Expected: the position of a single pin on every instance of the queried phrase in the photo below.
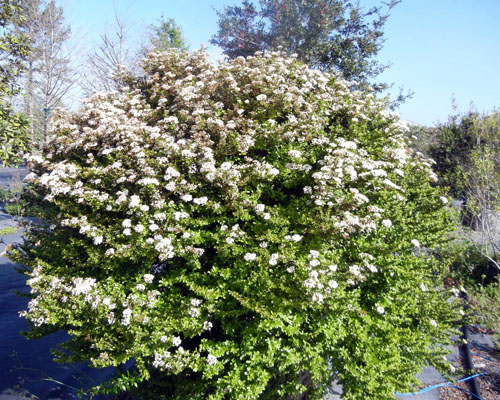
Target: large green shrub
(238, 229)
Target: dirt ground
(485, 360)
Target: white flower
(170, 186)
(313, 254)
(259, 208)
(355, 270)
(267, 216)
(294, 153)
(163, 339)
(211, 360)
(83, 286)
(229, 240)
(200, 200)
(422, 287)
(433, 323)
(153, 227)
(176, 341)
(380, 309)
(309, 283)
(140, 287)
(207, 325)
(186, 197)
(333, 284)
(134, 201)
(148, 278)
(178, 215)
(196, 302)
(127, 232)
(98, 240)
(274, 259)
(261, 97)
(250, 257)
(144, 208)
(139, 228)
(127, 223)
(194, 312)
(317, 297)
(415, 243)
(443, 199)
(387, 223)
(127, 313)
(296, 238)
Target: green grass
(10, 230)
(16, 208)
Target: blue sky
(439, 49)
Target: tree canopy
(167, 35)
(325, 34)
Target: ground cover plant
(9, 230)
(10, 197)
(249, 230)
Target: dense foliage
(467, 154)
(14, 49)
(329, 35)
(249, 230)
(458, 147)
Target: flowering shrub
(242, 231)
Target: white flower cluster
(88, 293)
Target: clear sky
(439, 49)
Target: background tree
(31, 29)
(168, 34)
(55, 74)
(49, 74)
(467, 154)
(326, 34)
(109, 59)
(14, 49)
